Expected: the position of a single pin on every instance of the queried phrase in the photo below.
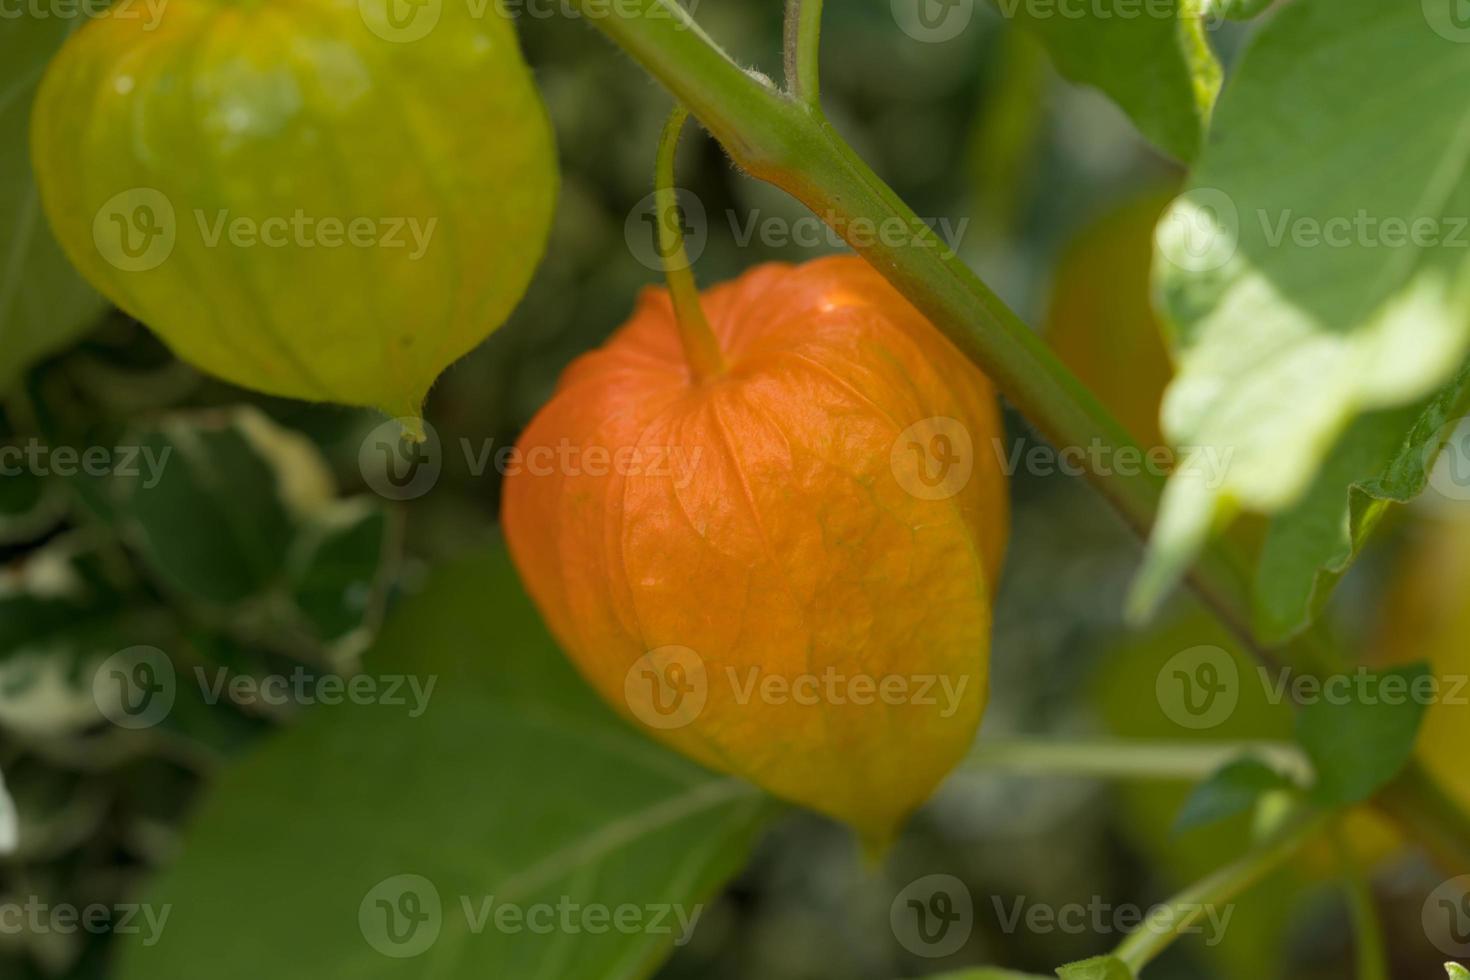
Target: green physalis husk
(324, 199)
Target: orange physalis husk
(784, 570)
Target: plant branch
(1167, 922)
(803, 44)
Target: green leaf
(1316, 268)
(1361, 731)
(1457, 972)
(44, 304)
(204, 508)
(1157, 65)
(1100, 968)
(1384, 458)
(515, 782)
(1233, 790)
(336, 578)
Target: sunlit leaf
(1317, 267)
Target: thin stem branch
(700, 346)
(1372, 953)
(803, 44)
(1117, 758)
(1170, 920)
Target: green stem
(803, 43)
(1170, 920)
(1116, 758)
(1372, 954)
(700, 346)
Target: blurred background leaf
(43, 302)
(514, 786)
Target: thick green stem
(1170, 920)
(700, 346)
